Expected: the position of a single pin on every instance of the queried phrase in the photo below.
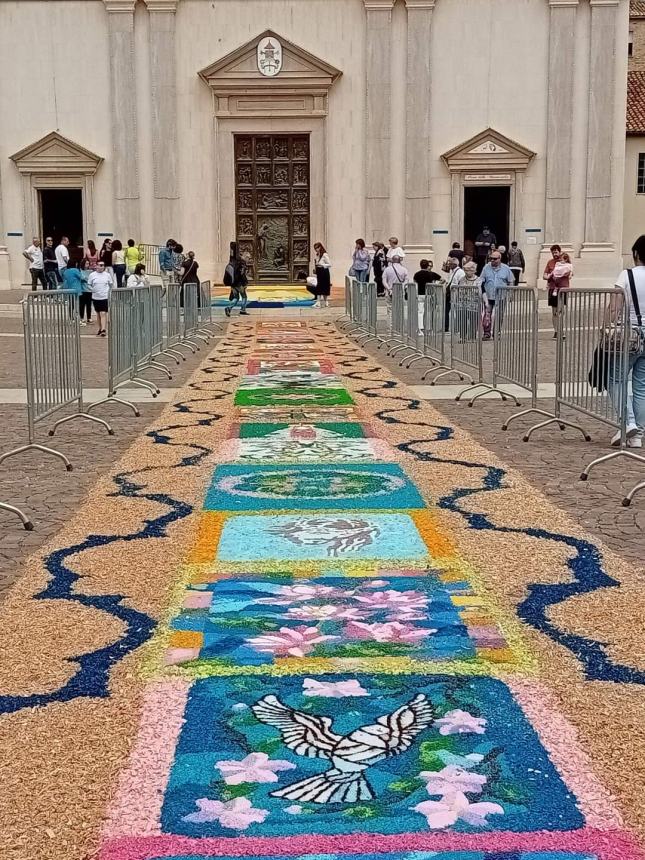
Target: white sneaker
(82, 322)
(635, 442)
(632, 431)
(317, 305)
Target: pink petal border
(139, 796)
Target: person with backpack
(235, 278)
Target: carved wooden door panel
(272, 205)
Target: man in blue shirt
(495, 274)
(166, 260)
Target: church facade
(280, 123)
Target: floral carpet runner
(331, 678)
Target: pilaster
(418, 209)
(378, 118)
(123, 98)
(602, 83)
(163, 74)
(562, 33)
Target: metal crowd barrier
(128, 347)
(347, 316)
(592, 367)
(151, 258)
(52, 344)
(515, 351)
(435, 337)
(396, 337)
(190, 304)
(206, 321)
(412, 325)
(148, 322)
(466, 337)
(173, 327)
(369, 313)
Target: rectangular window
(640, 186)
(630, 44)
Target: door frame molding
(224, 157)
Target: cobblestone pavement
(38, 483)
(553, 461)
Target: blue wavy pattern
(91, 678)
(586, 567)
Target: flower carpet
(288, 625)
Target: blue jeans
(361, 276)
(239, 293)
(635, 406)
(51, 276)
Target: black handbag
(599, 370)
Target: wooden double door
(272, 199)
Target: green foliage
(230, 792)
(361, 811)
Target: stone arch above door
(488, 158)
(299, 88)
(488, 151)
(54, 161)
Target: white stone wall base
(5, 279)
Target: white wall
(54, 76)
(489, 68)
(331, 30)
(634, 212)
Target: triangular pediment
(300, 69)
(488, 150)
(56, 154)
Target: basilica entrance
(272, 196)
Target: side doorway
(61, 214)
(486, 206)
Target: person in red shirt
(554, 285)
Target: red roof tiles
(636, 102)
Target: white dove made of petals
(351, 755)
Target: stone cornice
(421, 4)
(563, 3)
(604, 2)
(124, 6)
(162, 5)
(379, 5)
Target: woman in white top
(118, 262)
(636, 403)
(323, 276)
(138, 277)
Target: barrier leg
(463, 376)
(27, 523)
(488, 389)
(176, 356)
(613, 456)
(626, 502)
(416, 353)
(144, 383)
(156, 365)
(556, 419)
(532, 411)
(112, 399)
(33, 446)
(87, 417)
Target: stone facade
(392, 93)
